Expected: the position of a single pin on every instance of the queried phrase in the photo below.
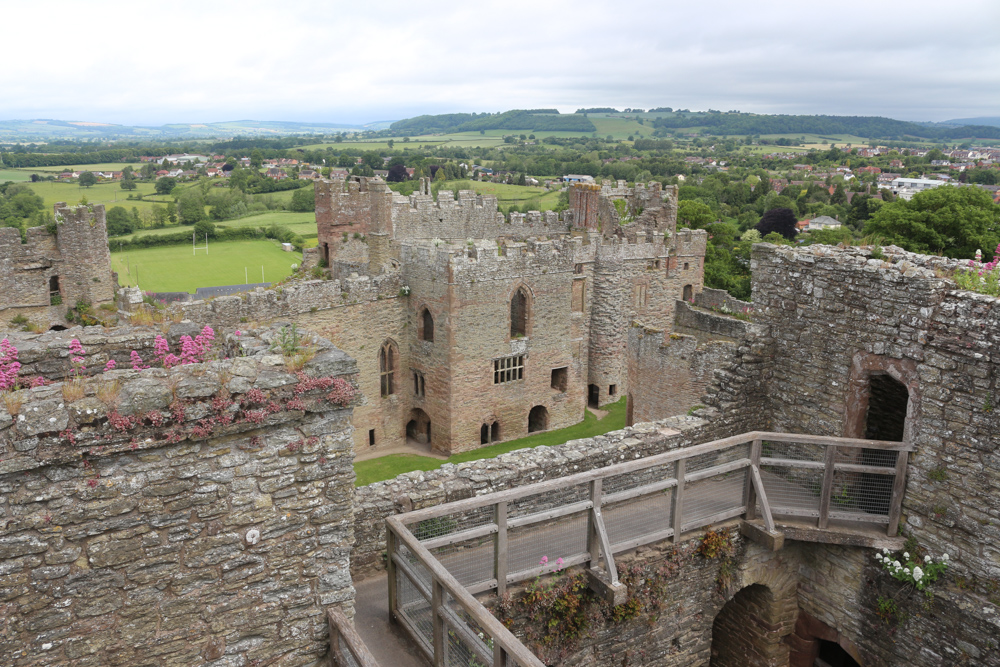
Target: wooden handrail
(639, 464)
(341, 630)
(501, 635)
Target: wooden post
(499, 655)
(336, 657)
(749, 495)
(593, 538)
(500, 547)
(390, 567)
(679, 471)
(898, 488)
(764, 506)
(827, 492)
(440, 633)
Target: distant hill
(528, 120)
(874, 127)
(48, 129)
(979, 120)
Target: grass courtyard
(387, 467)
(175, 269)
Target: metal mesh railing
(442, 555)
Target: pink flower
(137, 364)
(9, 365)
(545, 560)
(237, 332)
(559, 564)
(110, 366)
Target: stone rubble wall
(191, 516)
(706, 325)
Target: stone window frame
(524, 331)
(388, 364)
(419, 384)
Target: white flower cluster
(911, 572)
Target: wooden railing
(347, 649)
(440, 557)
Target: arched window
(427, 326)
(519, 314)
(688, 292)
(387, 367)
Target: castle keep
(40, 279)
(499, 328)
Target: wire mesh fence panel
(631, 480)
(793, 450)
(717, 458)
(868, 496)
(707, 497)
(792, 491)
(543, 502)
(443, 526)
(882, 458)
(636, 518)
(416, 566)
(415, 608)
(468, 644)
(561, 538)
(471, 561)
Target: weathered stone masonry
(204, 518)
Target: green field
(176, 269)
(103, 166)
(303, 224)
(508, 195)
(14, 175)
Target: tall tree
(780, 220)
(87, 179)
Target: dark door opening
(593, 395)
(688, 290)
(832, 655)
(538, 419)
(495, 432)
(484, 434)
(886, 420)
(419, 427)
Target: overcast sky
(148, 63)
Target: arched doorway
(538, 419)
(418, 428)
(749, 630)
(688, 292)
(814, 643)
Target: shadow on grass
(387, 467)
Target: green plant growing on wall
(915, 572)
(938, 474)
(288, 340)
(718, 545)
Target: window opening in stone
(831, 654)
(484, 434)
(508, 369)
(423, 385)
(387, 368)
(593, 395)
(538, 419)
(519, 314)
(686, 266)
(612, 389)
(55, 298)
(888, 400)
(427, 328)
(578, 268)
(640, 296)
(560, 378)
(688, 290)
(371, 437)
(57, 327)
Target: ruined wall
(200, 515)
(670, 373)
(836, 317)
(75, 261)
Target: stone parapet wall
(190, 516)
(706, 325)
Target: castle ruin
(50, 273)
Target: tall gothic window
(519, 314)
(387, 367)
(427, 332)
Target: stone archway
(752, 628)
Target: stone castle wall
(74, 263)
(192, 516)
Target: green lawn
(104, 166)
(300, 223)
(176, 269)
(508, 194)
(14, 175)
(387, 467)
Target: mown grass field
(103, 166)
(108, 193)
(387, 467)
(14, 175)
(508, 195)
(303, 224)
(176, 269)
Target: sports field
(176, 269)
(303, 224)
